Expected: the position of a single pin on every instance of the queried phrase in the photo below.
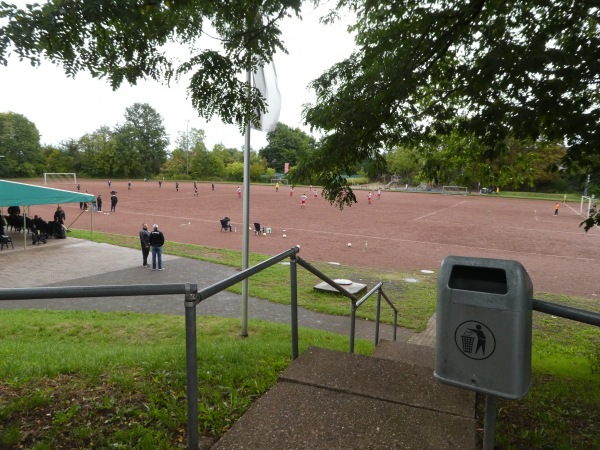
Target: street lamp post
(187, 146)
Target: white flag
(265, 80)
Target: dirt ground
(399, 231)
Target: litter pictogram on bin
(467, 342)
(475, 340)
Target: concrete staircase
(333, 400)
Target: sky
(63, 108)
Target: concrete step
(419, 355)
(328, 399)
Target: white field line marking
(371, 237)
(386, 239)
(535, 214)
(439, 210)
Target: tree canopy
(491, 70)
(286, 145)
(22, 155)
(128, 41)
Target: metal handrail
(96, 291)
(567, 312)
(356, 302)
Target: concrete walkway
(75, 262)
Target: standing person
(379, 194)
(195, 190)
(239, 192)
(78, 187)
(303, 198)
(276, 187)
(108, 184)
(145, 243)
(159, 184)
(113, 202)
(129, 186)
(213, 186)
(556, 209)
(177, 186)
(99, 203)
(59, 223)
(315, 194)
(157, 240)
(369, 196)
(60, 216)
(291, 192)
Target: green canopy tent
(20, 194)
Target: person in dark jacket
(59, 215)
(113, 202)
(157, 240)
(99, 203)
(145, 243)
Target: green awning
(20, 194)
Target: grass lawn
(65, 384)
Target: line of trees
(138, 148)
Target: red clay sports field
(400, 231)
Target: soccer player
(303, 198)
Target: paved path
(74, 262)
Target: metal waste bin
(483, 340)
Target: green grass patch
(553, 197)
(117, 380)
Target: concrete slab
(299, 414)
(383, 379)
(295, 416)
(419, 355)
(353, 288)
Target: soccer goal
(587, 204)
(279, 180)
(455, 190)
(60, 178)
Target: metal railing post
(191, 355)
(352, 326)
(489, 425)
(294, 304)
(395, 324)
(377, 316)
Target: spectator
(145, 243)
(157, 240)
(59, 216)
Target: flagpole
(246, 219)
